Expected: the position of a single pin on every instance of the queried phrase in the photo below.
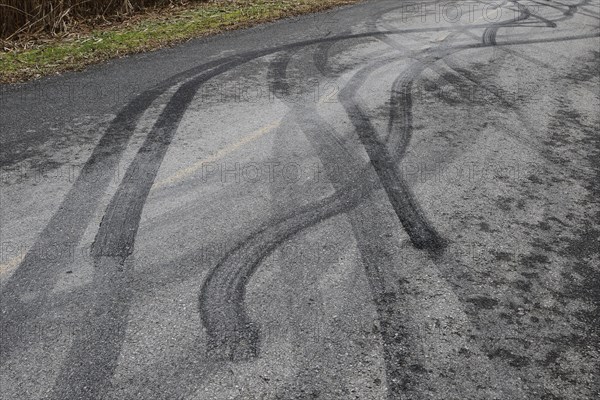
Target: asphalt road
(389, 200)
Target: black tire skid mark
(445, 259)
(489, 35)
(399, 135)
(74, 214)
(400, 119)
(383, 36)
(343, 166)
(236, 338)
(401, 97)
(375, 258)
(398, 138)
(397, 390)
(321, 59)
(401, 91)
(448, 267)
(37, 276)
(116, 235)
(520, 54)
(335, 154)
(93, 357)
(111, 250)
(487, 42)
(421, 233)
(231, 334)
(393, 329)
(455, 31)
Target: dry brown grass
(25, 17)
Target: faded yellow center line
(224, 151)
(192, 169)
(10, 265)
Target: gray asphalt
(389, 200)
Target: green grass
(148, 32)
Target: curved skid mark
(119, 225)
(114, 243)
(277, 75)
(421, 233)
(489, 35)
(400, 120)
(69, 223)
(321, 58)
(73, 217)
(375, 259)
(231, 334)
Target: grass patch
(20, 61)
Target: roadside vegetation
(41, 37)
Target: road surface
(389, 200)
